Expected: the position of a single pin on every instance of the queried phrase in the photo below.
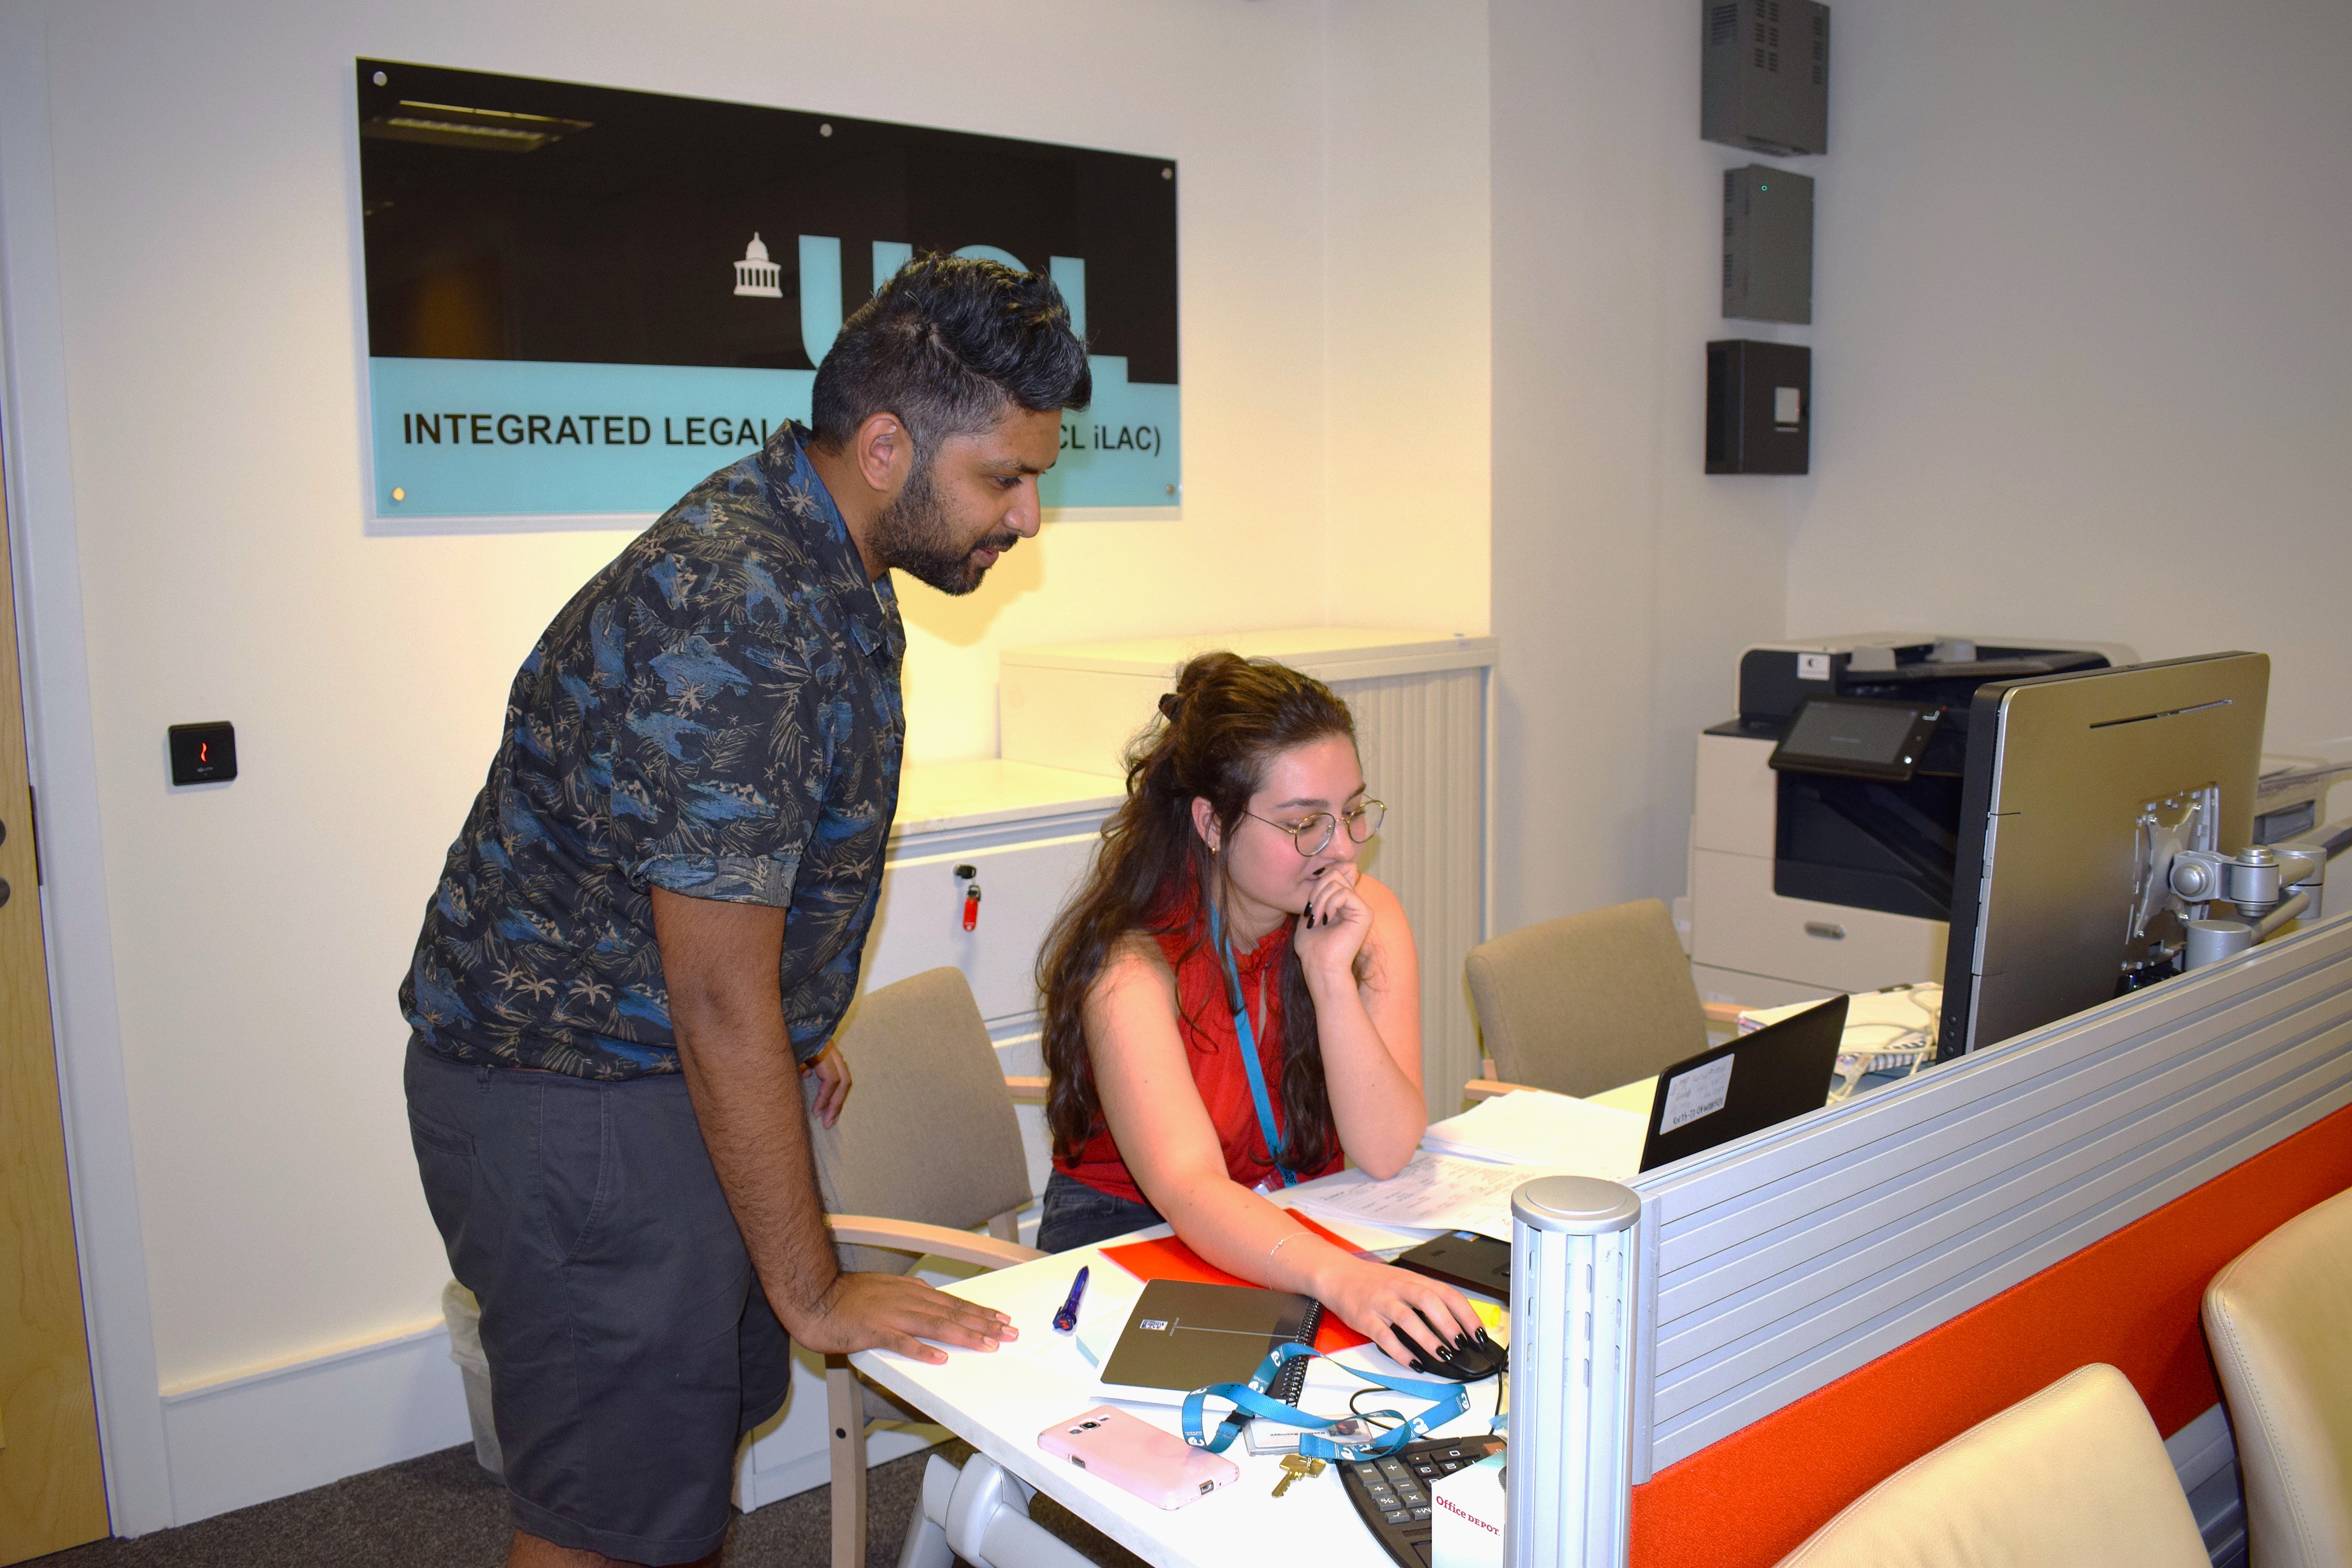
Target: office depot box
(1467, 1516)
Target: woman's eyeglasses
(1313, 834)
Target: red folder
(1169, 1259)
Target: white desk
(999, 1401)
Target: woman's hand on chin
(1333, 927)
(1381, 1302)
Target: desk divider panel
(1779, 1263)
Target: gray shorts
(630, 1347)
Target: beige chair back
(2280, 1322)
(1587, 1002)
(929, 1133)
(2074, 1477)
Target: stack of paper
(1467, 1167)
(1533, 1127)
(1435, 1192)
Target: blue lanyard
(1248, 1037)
(1447, 1401)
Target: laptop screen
(1755, 1081)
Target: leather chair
(1587, 1002)
(926, 1151)
(2073, 1477)
(2279, 1319)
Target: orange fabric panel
(2130, 1299)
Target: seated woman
(1230, 1003)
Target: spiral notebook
(1184, 1334)
(1166, 1257)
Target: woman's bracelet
(1279, 1246)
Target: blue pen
(1067, 1319)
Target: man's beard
(914, 535)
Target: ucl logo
(759, 277)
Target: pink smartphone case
(1137, 1456)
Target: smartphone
(1134, 1456)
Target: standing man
(650, 925)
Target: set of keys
(1294, 1466)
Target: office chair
(926, 1149)
(2073, 1477)
(1587, 1002)
(2279, 1323)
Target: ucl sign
(582, 300)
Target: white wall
(203, 232)
(1625, 579)
(2081, 333)
(1408, 301)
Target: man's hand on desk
(892, 1312)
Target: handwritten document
(1701, 1092)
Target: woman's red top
(1204, 1022)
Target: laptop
(1755, 1081)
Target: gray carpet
(444, 1511)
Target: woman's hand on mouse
(1387, 1305)
(1333, 927)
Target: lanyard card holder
(1446, 1401)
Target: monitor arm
(2271, 884)
(2257, 880)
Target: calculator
(1393, 1493)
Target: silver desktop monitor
(2077, 786)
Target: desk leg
(926, 1545)
(981, 1514)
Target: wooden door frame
(61, 750)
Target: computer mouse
(1465, 1358)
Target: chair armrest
(907, 1235)
(1488, 1087)
(1726, 1013)
(1026, 1090)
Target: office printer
(1832, 870)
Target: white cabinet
(1023, 879)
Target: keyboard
(1392, 1494)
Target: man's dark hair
(946, 345)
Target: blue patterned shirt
(717, 713)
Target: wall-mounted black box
(1767, 245)
(1760, 408)
(203, 754)
(1764, 75)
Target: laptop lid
(1752, 1082)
